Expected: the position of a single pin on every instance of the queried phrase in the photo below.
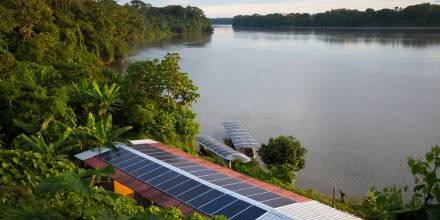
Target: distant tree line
(420, 15)
(221, 20)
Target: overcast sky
(229, 8)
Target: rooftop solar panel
(221, 150)
(204, 196)
(240, 135)
(221, 180)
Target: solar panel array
(192, 192)
(245, 189)
(240, 135)
(221, 150)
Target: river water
(361, 101)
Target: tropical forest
(60, 95)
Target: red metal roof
(161, 199)
(157, 197)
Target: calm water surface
(361, 101)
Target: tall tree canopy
(421, 15)
(55, 58)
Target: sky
(230, 8)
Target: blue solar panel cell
(145, 169)
(250, 191)
(194, 192)
(205, 198)
(191, 191)
(237, 186)
(193, 168)
(154, 173)
(127, 163)
(279, 202)
(172, 183)
(163, 178)
(233, 209)
(250, 213)
(181, 188)
(264, 196)
(136, 166)
(213, 176)
(217, 204)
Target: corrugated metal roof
(142, 189)
(312, 210)
(270, 216)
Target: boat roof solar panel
(240, 135)
(221, 150)
(187, 184)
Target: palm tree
(101, 133)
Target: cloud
(229, 8)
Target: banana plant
(104, 99)
(101, 133)
(56, 150)
(80, 181)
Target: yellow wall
(122, 189)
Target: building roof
(240, 135)
(151, 168)
(221, 150)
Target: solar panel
(222, 180)
(221, 150)
(240, 135)
(179, 185)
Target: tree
(160, 81)
(284, 156)
(283, 150)
(420, 15)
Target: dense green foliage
(72, 196)
(59, 95)
(28, 168)
(54, 56)
(425, 202)
(284, 156)
(421, 15)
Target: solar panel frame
(158, 180)
(220, 149)
(217, 178)
(240, 135)
(151, 172)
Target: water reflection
(361, 101)
(414, 38)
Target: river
(361, 101)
